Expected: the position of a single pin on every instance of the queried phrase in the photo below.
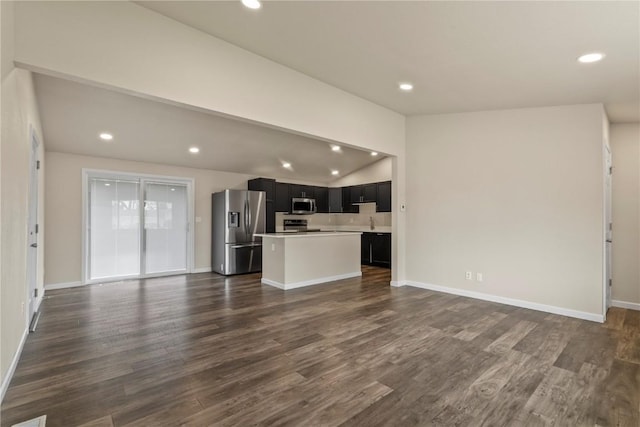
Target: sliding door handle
(34, 245)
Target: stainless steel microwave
(303, 206)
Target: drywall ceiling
(461, 56)
(74, 114)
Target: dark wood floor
(207, 350)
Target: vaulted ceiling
(461, 56)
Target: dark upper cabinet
(335, 200)
(269, 187)
(322, 199)
(355, 194)
(383, 201)
(347, 204)
(302, 191)
(369, 192)
(263, 184)
(283, 201)
(366, 193)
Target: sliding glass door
(114, 224)
(165, 228)
(136, 227)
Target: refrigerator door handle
(246, 218)
(249, 220)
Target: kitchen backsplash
(328, 220)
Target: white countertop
(347, 228)
(308, 234)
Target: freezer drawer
(243, 258)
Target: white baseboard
(64, 285)
(594, 317)
(310, 282)
(625, 304)
(398, 283)
(201, 270)
(12, 368)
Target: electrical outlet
(478, 277)
(273, 247)
(468, 275)
(22, 308)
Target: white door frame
(189, 182)
(33, 228)
(607, 264)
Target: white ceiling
(461, 56)
(73, 115)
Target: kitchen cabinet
(365, 193)
(335, 200)
(301, 191)
(347, 204)
(375, 249)
(283, 201)
(383, 199)
(322, 199)
(269, 187)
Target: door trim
(189, 182)
(606, 273)
(33, 302)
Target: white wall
(625, 147)
(187, 66)
(19, 114)
(514, 194)
(379, 171)
(181, 65)
(64, 207)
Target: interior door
(32, 240)
(608, 226)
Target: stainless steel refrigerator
(237, 216)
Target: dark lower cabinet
(375, 249)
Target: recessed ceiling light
(106, 136)
(173, 189)
(194, 150)
(591, 57)
(107, 185)
(335, 172)
(251, 4)
(335, 148)
(286, 165)
(374, 153)
(407, 87)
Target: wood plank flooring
(204, 350)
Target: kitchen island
(294, 260)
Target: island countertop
(283, 235)
(293, 260)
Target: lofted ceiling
(461, 56)
(74, 114)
